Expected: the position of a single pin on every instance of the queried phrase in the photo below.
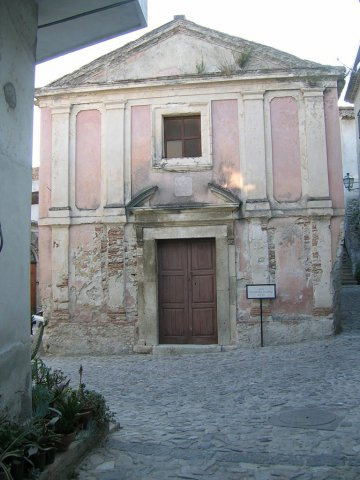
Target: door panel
(203, 322)
(203, 288)
(173, 325)
(187, 291)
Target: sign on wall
(261, 291)
(264, 291)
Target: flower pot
(39, 460)
(17, 469)
(50, 455)
(64, 441)
(83, 418)
(2, 475)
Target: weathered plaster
(45, 155)
(280, 234)
(88, 160)
(333, 148)
(254, 139)
(285, 149)
(60, 158)
(226, 149)
(18, 25)
(316, 144)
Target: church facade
(177, 170)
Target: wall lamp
(349, 182)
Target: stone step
(347, 277)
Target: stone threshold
(185, 349)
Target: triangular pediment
(181, 48)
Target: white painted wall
(18, 25)
(348, 147)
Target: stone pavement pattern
(350, 308)
(209, 416)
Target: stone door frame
(147, 279)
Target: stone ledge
(66, 462)
(185, 349)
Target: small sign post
(262, 292)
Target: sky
(324, 31)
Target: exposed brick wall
(102, 292)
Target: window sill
(182, 164)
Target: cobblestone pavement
(350, 307)
(218, 415)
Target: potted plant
(12, 449)
(40, 443)
(68, 406)
(94, 402)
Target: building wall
(102, 257)
(18, 24)
(351, 136)
(348, 131)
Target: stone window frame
(186, 163)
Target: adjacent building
(352, 237)
(177, 170)
(33, 31)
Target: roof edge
(336, 73)
(172, 27)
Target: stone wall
(294, 254)
(352, 234)
(102, 304)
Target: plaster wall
(316, 144)
(178, 54)
(88, 159)
(111, 275)
(333, 148)
(45, 157)
(226, 145)
(18, 24)
(348, 130)
(190, 185)
(286, 149)
(352, 219)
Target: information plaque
(261, 291)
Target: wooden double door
(187, 291)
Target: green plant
(96, 402)
(226, 66)
(68, 406)
(43, 375)
(200, 67)
(242, 58)
(13, 439)
(48, 386)
(41, 399)
(6, 455)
